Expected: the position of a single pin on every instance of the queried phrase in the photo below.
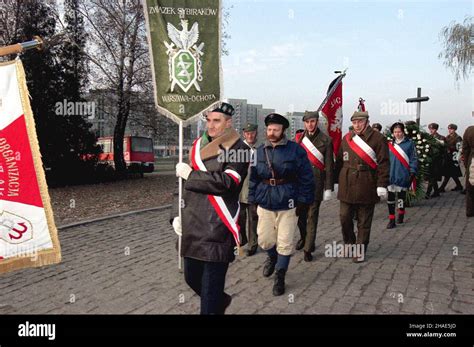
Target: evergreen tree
(55, 74)
(74, 76)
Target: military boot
(269, 266)
(279, 285)
(391, 224)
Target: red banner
(332, 111)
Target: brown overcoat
(468, 148)
(358, 182)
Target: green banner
(184, 41)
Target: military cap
(453, 126)
(275, 118)
(250, 127)
(225, 108)
(360, 115)
(310, 115)
(433, 126)
(377, 126)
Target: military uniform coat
(439, 162)
(468, 154)
(358, 182)
(452, 164)
(324, 179)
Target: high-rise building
(296, 122)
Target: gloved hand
(382, 192)
(336, 188)
(177, 226)
(327, 195)
(412, 177)
(301, 208)
(183, 170)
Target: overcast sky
(283, 54)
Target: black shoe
(300, 245)
(251, 251)
(400, 218)
(427, 196)
(456, 189)
(463, 191)
(391, 224)
(279, 285)
(269, 266)
(436, 195)
(441, 190)
(308, 256)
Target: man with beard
(282, 185)
(452, 168)
(362, 171)
(319, 149)
(210, 205)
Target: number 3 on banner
(20, 232)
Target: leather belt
(276, 181)
(359, 167)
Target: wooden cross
(419, 99)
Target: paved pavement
(128, 265)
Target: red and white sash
(363, 150)
(314, 155)
(400, 154)
(216, 201)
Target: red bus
(137, 152)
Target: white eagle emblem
(184, 56)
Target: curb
(89, 221)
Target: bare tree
(458, 48)
(119, 57)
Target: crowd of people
(266, 193)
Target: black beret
(275, 118)
(225, 108)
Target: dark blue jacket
(289, 161)
(399, 175)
